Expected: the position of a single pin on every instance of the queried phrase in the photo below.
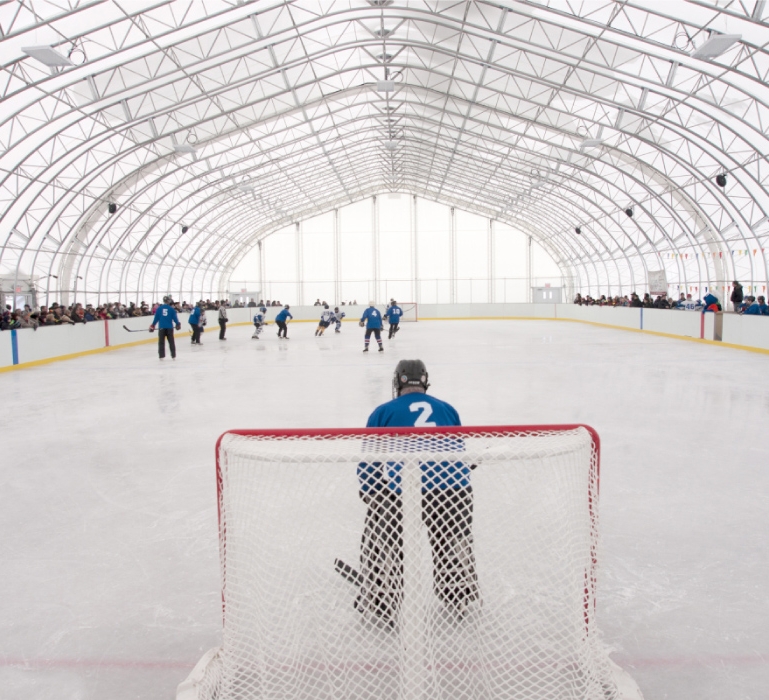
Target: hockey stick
(348, 573)
(138, 330)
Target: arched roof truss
(235, 118)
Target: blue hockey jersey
(372, 317)
(283, 315)
(417, 410)
(165, 317)
(394, 313)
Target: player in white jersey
(689, 304)
(338, 316)
(326, 317)
(260, 320)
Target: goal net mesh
(438, 563)
(410, 311)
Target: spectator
(755, 307)
(688, 304)
(635, 301)
(317, 302)
(26, 321)
(736, 297)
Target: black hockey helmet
(410, 373)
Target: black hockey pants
(282, 328)
(448, 516)
(222, 328)
(164, 333)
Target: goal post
(407, 564)
(410, 311)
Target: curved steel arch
(744, 74)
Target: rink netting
(432, 565)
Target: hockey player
(372, 320)
(326, 317)
(194, 321)
(447, 506)
(281, 320)
(393, 313)
(338, 316)
(260, 320)
(166, 320)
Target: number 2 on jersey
(426, 411)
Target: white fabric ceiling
(235, 118)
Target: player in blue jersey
(194, 321)
(260, 320)
(326, 317)
(281, 319)
(372, 320)
(166, 320)
(393, 313)
(447, 505)
(338, 316)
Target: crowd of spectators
(60, 315)
(741, 303)
(661, 301)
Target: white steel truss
(229, 120)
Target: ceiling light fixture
(185, 228)
(385, 86)
(721, 179)
(715, 46)
(578, 230)
(112, 207)
(185, 148)
(629, 212)
(591, 143)
(48, 56)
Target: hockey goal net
(410, 311)
(408, 563)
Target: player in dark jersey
(166, 320)
(393, 313)
(282, 319)
(447, 506)
(372, 320)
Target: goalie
(447, 506)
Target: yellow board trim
(83, 353)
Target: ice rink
(110, 570)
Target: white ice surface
(109, 572)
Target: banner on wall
(658, 282)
